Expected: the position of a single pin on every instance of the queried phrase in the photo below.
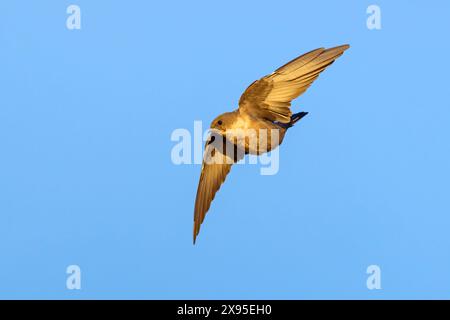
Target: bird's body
(260, 123)
(253, 135)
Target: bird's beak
(214, 131)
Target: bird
(264, 105)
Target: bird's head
(222, 122)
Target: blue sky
(86, 176)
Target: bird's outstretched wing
(271, 96)
(217, 162)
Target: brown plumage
(265, 105)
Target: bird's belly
(257, 141)
(265, 141)
(255, 136)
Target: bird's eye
(219, 122)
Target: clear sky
(86, 176)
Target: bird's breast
(255, 136)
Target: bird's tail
(296, 117)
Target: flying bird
(263, 107)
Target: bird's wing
(271, 96)
(217, 163)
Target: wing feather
(271, 96)
(215, 168)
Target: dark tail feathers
(297, 116)
(294, 118)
